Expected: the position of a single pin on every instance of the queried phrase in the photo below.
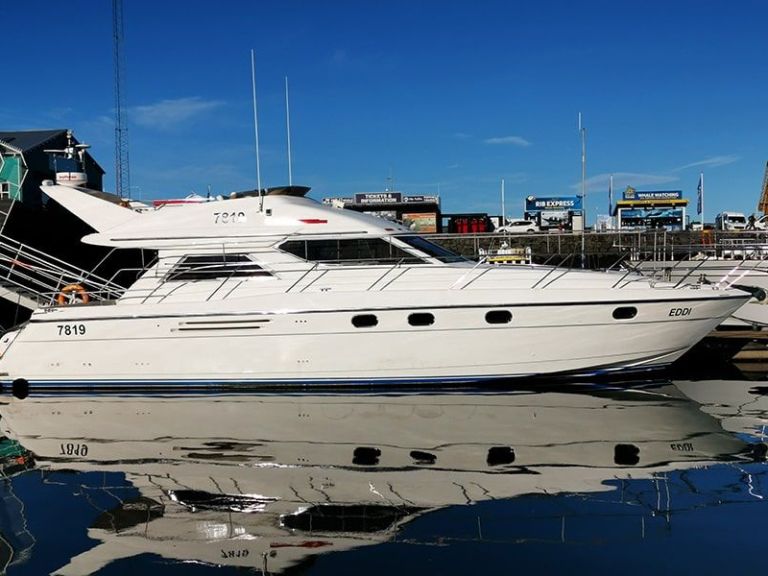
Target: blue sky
(425, 97)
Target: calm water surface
(668, 477)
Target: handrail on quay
(608, 249)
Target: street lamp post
(583, 135)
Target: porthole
(366, 456)
(421, 319)
(364, 320)
(498, 317)
(626, 454)
(625, 312)
(498, 455)
(420, 457)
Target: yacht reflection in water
(740, 405)
(269, 481)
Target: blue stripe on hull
(215, 385)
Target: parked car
(730, 221)
(518, 226)
(761, 222)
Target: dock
(745, 348)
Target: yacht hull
(139, 347)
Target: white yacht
(280, 290)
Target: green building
(25, 164)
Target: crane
(122, 172)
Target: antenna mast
(503, 207)
(122, 172)
(256, 129)
(288, 129)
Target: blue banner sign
(533, 203)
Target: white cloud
(712, 162)
(621, 180)
(514, 140)
(169, 113)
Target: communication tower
(762, 205)
(122, 172)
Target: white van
(730, 221)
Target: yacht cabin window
(430, 248)
(349, 251)
(210, 266)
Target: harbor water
(665, 476)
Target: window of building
(5, 189)
(209, 266)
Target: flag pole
(701, 192)
(583, 134)
(610, 196)
(503, 208)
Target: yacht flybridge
(279, 290)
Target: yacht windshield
(430, 248)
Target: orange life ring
(71, 293)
